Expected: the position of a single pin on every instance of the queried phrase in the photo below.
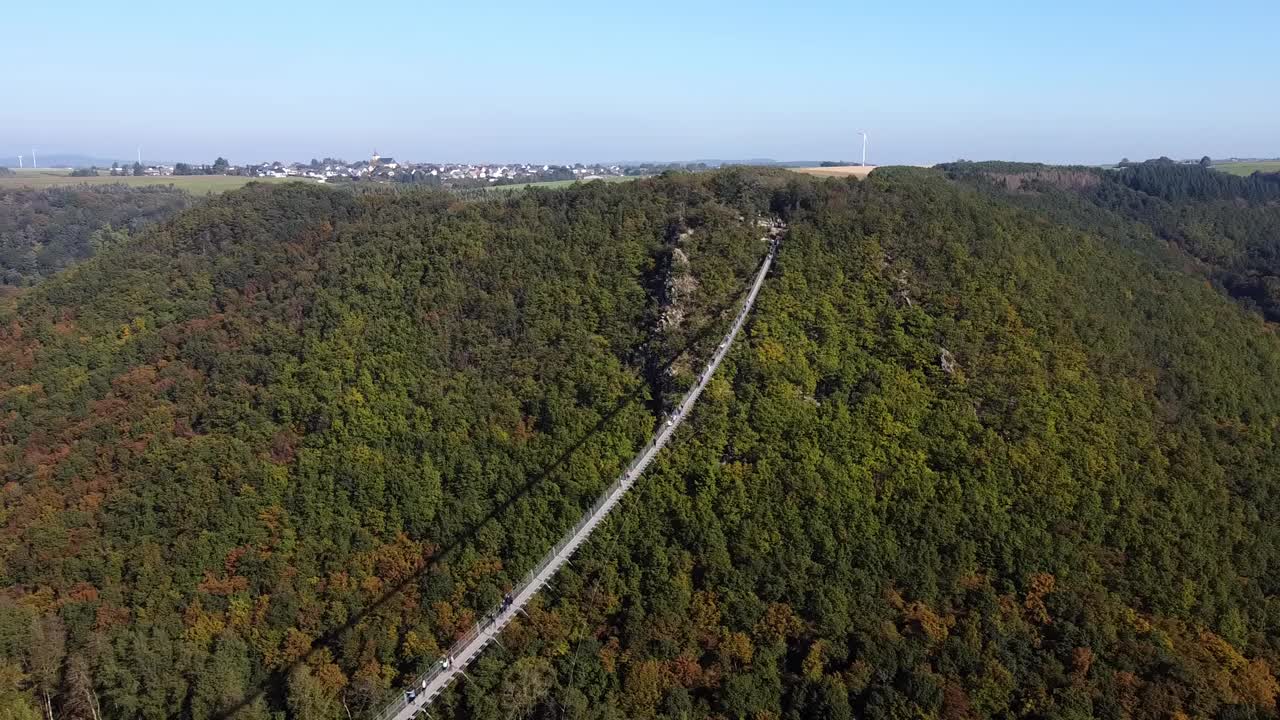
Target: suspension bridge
(429, 685)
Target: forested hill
(43, 230)
(971, 458)
(295, 398)
(1228, 226)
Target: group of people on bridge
(411, 693)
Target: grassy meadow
(195, 184)
(1249, 168)
(858, 171)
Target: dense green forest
(1228, 225)
(978, 454)
(43, 230)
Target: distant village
(389, 170)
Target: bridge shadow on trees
(275, 685)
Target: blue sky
(1077, 81)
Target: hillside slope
(294, 398)
(1226, 228)
(45, 230)
(974, 464)
(967, 461)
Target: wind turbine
(19, 162)
(864, 147)
(34, 164)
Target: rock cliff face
(678, 288)
(683, 308)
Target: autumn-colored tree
(309, 697)
(525, 685)
(14, 703)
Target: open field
(858, 171)
(195, 184)
(1249, 168)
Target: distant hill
(718, 162)
(709, 162)
(61, 160)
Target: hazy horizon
(670, 81)
(101, 160)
